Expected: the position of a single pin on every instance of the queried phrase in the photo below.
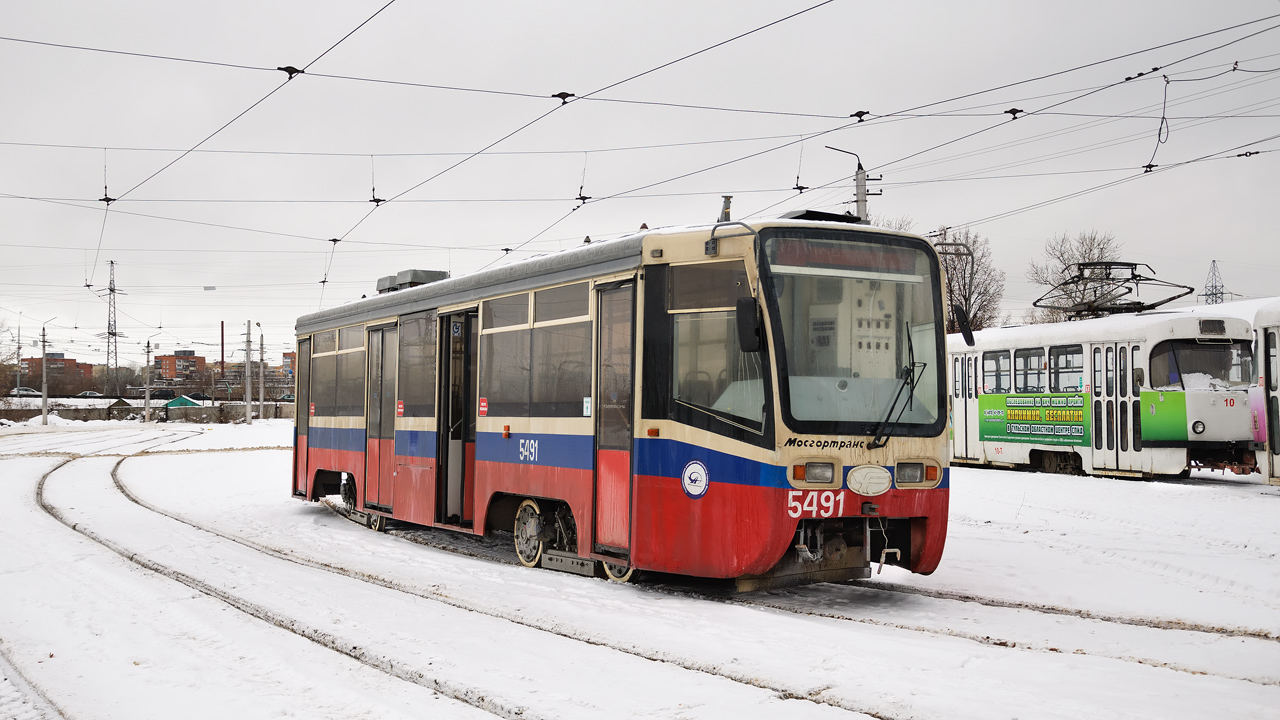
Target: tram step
(568, 562)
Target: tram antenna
(582, 197)
(800, 164)
(373, 183)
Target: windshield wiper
(909, 375)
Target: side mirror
(749, 334)
(962, 320)
(1139, 378)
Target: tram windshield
(1189, 365)
(859, 330)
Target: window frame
(1041, 370)
(657, 372)
(998, 388)
(320, 397)
(1056, 370)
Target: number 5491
(815, 503)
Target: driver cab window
(710, 371)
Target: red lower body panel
(613, 498)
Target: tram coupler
(824, 551)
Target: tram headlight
(907, 473)
(1197, 427)
(815, 472)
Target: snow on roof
(1147, 327)
(1246, 310)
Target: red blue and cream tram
(759, 401)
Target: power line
(1016, 113)
(1221, 155)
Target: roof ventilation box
(409, 278)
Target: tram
(1267, 393)
(1155, 393)
(762, 402)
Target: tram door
(1128, 408)
(302, 416)
(615, 313)
(455, 469)
(380, 418)
(965, 391)
(1111, 398)
(1271, 396)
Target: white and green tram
(1154, 393)
(1267, 394)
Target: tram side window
(350, 338)
(325, 342)
(1066, 369)
(504, 372)
(1028, 370)
(955, 377)
(561, 370)
(711, 373)
(324, 383)
(417, 384)
(350, 385)
(996, 377)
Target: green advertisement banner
(1039, 419)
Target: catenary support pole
(248, 372)
(44, 379)
(146, 383)
(262, 375)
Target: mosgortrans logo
(825, 444)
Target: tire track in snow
(489, 554)
(20, 698)
(1157, 623)
(1187, 577)
(569, 633)
(468, 695)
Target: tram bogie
(760, 402)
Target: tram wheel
(1049, 463)
(618, 573)
(527, 528)
(377, 523)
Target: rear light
(908, 473)
(814, 472)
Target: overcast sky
(405, 102)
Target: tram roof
(602, 257)
(1152, 326)
(1254, 310)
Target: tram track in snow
(460, 692)
(502, 556)
(816, 693)
(491, 553)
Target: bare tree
(980, 288)
(902, 223)
(1060, 253)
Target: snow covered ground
(169, 574)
